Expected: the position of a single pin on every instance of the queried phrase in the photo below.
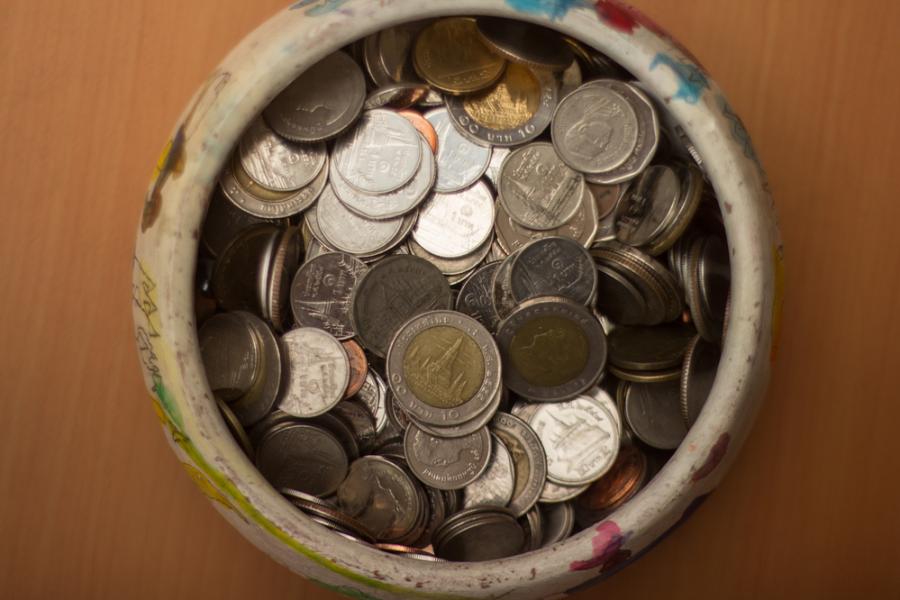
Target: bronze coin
(359, 367)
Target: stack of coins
(461, 289)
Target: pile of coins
(462, 289)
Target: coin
(653, 412)
(529, 460)
(710, 281)
(447, 464)
(234, 427)
(396, 95)
(360, 419)
(558, 521)
(450, 55)
(496, 484)
(553, 266)
(478, 421)
(224, 222)
(302, 457)
(661, 376)
(643, 348)
(552, 349)
(359, 369)
(570, 79)
(525, 43)
(381, 154)
(688, 202)
(328, 515)
(373, 393)
(452, 266)
(533, 524)
(443, 367)
(657, 284)
(231, 355)
(455, 224)
(396, 414)
(235, 280)
(321, 103)
(645, 209)
(321, 292)
(606, 198)
(501, 286)
(460, 162)
(479, 534)
(701, 362)
(381, 496)
(395, 290)
(492, 173)
(515, 110)
(601, 396)
(263, 394)
(285, 257)
(271, 205)
(582, 227)
(474, 297)
(537, 189)
(276, 163)
(554, 493)
(621, 483)
(423, 126)
(349, 232)
(387, 53)
(318, 375)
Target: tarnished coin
(582, 227)
(394, 291)
(382, 497)
(643, 348)
(396, 96)
(447, 464)
(302, 457)
(224, 222)
(701, 362)
(552, 349)
(359, 369)
(264, 393)
(373, 393)
(460, 162)
(325, 513)
(387, 53)
(321, 292)
(653, 413)
(533, 524)
(525, 43)
(648, 205)
(276, 163)
(479, 534)
(450, 55)
(623, 480)
(231, 355)
(580, 438)
(349, 232)
(236, 278)
(529, 460)
(320, 104)
(537, 189)
(318, 375)
(558, 521)
(235, 428)
(515, 110)
(381, 154)
(443, 367)
(474, 297)
(595, 129)
(496, 485)
(283, 261)
(553, 266)
(239, 189)
(554, 493)
(662, 300)
(708, 286)
(360, 420)
(455, 224)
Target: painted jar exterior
(163, 289)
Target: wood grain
(95, 506)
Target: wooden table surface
(94, 505)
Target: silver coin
(321, 292)
(618, 298)
(321, 103)
(396, 95)
(360, 420)
(318, 375)
(349, 232)
(701, 363)
(479, 534)
(396, 415)
(553, 266)
(498, 155)
(283, 261)
(646, 208)
(475, 296)
(653, 413)
(580, 438)
(582, 227)
(387, 53)
(645, 348)
(278, 204)
(455, 224)
(537, 189)
(224, 222)
(689, 198)
(529, 460)
(604, 399)
(276, 163)
(570, 79)
(390, 204)
(525, 43)
(262, 396)
(302, 457)
(341, 429)
(662, 301)
(382, 496)
(447, 464)
(558, 521)
(554, 493)
(373, 394)
(381, 154)
(394, 291)
(231, 355)
(236, 277)
(552, 349)
(452, 266)
(459, 161)
(533, 524)
(496, 484)
(501, 286)
(709, 285)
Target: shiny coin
(349, 232)
(320, 104)
(263, 394)
(645, 209)
(443, 367)
(318, 375)
(224, 222)
(359, 370)
(231, 355)
(396, 96)
(525, 43)
(552, 349)
(501, 286)
(529, 460)
(479, 534)
(373, 393)
(496, 485)
(701, 362)
(533, 524)
(455, 224)
(474, 297)
(654, 414)
(276, 163)
(302, 457)
(558, 521)
(605, 399)
(537, 189)
(624, 479)
(642, 348)
(450, 55)
(239, 189)
(498, 155)
(423, 126)
(234, 427)
(285, 257)
(515, 110)
(381, 154)
(554, 493)
(452, 266)
(582, 227)
(447, 464)
(321, 292)
(382, 496)
(553, 266)
(394, 291)
(460, 162)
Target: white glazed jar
(163, 300)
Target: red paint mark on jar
(713, 458)
(607, 552)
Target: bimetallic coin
(373, 393)
(654, 414)
(359, 370)
(643, 348)
(381, 154)
(262, 396)
(496, 485)
(320, 104)
(537, 189)
(302, 457)
(582, 227)
(621, 483)
(525, 43)
(701, 362)
(455, 224)
(318, 375)
(552, 349)
(321, 292)
(278, 164)
(529, 460)
(479, 534)
(381, 496)
(396, 96)
(238, 188)
(349, 232)
(580, 438)
(450, 55)
(394, 291)
(517, 109)
(647, 206)
(231, 355)
(475, 423)
(553, 266)
(447, 464)
(558, 521)
(475, 296)
(460, 162)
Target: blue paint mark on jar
(554, 9)
(691, 80)
(317, 7)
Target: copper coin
(359, 367)
(422, 126)
(619, 483)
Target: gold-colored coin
(549, 351)
(511, 103)
(444, 367)
(450, 55)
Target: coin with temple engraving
(456, 224)
(318, 375)
(460, 162)
(553, 266)
(474, 297)
(321, 292)
(582, 227)
(450, 55)
(276, 163)
(496, 485)
(447, 464)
